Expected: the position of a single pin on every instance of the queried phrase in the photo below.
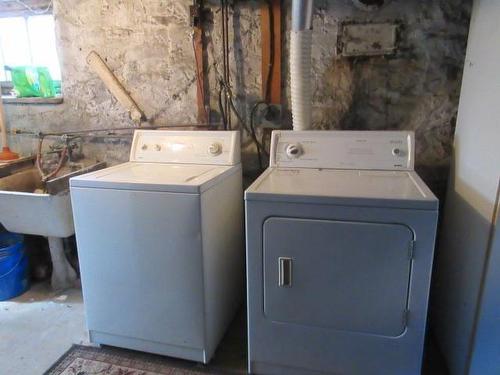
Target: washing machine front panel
(145, 281)
(343, 275)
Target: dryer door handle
(284, 272)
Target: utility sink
(29, 206)
(26, 207)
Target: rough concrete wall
(148, 45)
(417, 89)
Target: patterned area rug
(86, 360)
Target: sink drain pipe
(63, 275)
(300, 64)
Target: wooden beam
(196, 20)
(200, 74)
(273, 37)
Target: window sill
(14, 100)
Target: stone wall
(148, 45)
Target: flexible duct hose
(300, 64)
(301, 87)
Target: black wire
(228, 106)
(226, 50)
(225, 58)
(244, 125)
(260, 146)
(267, 93)
(221, 107)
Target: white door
(350, 276)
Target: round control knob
(144, 147)
(158, 147)
(396, 151)
(293, 151)
(215, 149)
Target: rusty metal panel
(368, 39)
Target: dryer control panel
(186, 147)
(344, 149)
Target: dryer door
(350, 276)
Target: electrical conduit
(300, 63)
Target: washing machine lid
(166, 177)
(372, 188)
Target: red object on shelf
(6, 154)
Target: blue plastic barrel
(14, 278)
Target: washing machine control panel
(215, 148)
(190, 147)
(371, 150)
(293, 150)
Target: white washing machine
(340, 244)
(160, 243)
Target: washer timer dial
(293, 150)
(397, 151)
(215, 149)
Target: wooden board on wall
(200, 72)
(267, 36)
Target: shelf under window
(15, 100)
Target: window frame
(7, 86)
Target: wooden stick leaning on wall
(115, 87)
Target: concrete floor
(38, 327)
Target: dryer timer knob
(294, 150)
(215, 149)
(396, 151)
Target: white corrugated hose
(300, 64)
(300, 78)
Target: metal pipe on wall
(302, 15)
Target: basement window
(28, 41)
